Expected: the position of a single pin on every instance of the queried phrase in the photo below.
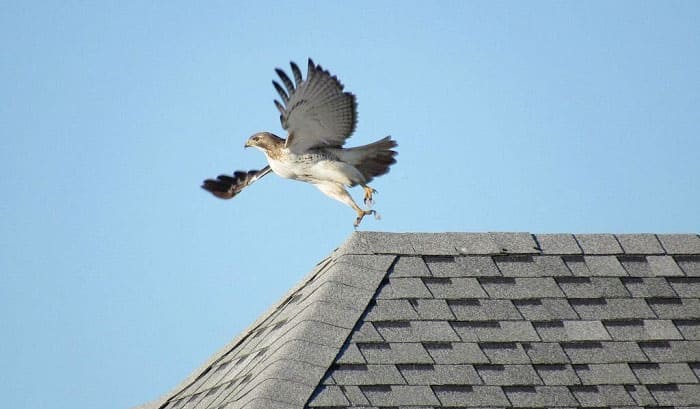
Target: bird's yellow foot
(368, 195)
(362, 213)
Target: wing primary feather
(285, 79)
(226, 187)
(281, 91)
(310, 70)
(296, 72)
(280, 107)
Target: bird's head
(265, 141)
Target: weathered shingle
(409, 266)
(483, 310)
(453, 374)
(505, 352)
(420, 320)
(680, 243)
(545, 309)
(496, 331)
(521, 287)
(404, 288)
(417, 331)
(605, 374)
(539, 396)
(640, 243)
(648, 287)
(663, 373)
(400, 395)
(569, 330)
(546, 353)
(471, 396)
(558, 374)
(367, 375)
(454, 288)
(432, 309)
(558, 244)
(508, 374)
(395, 353)
(611, 308)
(456, 353)
(592, 287)
(598, 243)
(602, 395)
(604, 352)
(676, 395)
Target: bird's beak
(247, 144)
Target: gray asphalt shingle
(400, 395)
(559, 374)
(546, 353)
(648, 287)
(604, 352)
(546, 309)
(605, 374)
(432, 309)
(689, 264)
(470, 396)
(416, 331)
(571, 331)
(457, 374)
(454, 288)
(404, 288)
(483, 310)
(521, 287)
(456, 353)
(367, 375)
(663, 373)
(558, 244)
(409, 266)
(592, 287)
(664, 266)
(598, 243)
(602, 395)
(680, 243)
(611, 308)
(539, 396)
(640, 244)
(419, 321)
(508, 375)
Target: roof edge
(336, 321)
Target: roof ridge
(495, 243)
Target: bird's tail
(373, 159)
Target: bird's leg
(362, 213)
(338, 192)
(368, 195)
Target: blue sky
(119, 275)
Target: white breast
(283, 169)
(313, 168)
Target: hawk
(318, 117)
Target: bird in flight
(318, 117)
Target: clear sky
(119, 275)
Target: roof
(413, 320)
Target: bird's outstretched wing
(315, 111)
(226, 187)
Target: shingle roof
(472, 320)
